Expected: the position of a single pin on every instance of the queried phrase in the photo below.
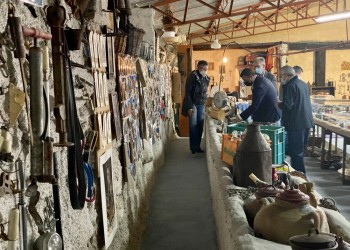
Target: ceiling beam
(166, 14)
(245, 12)
(291, 46)
(165, 2)
(186, 7)
(213, 8)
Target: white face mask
(283, 81)
(203, 73)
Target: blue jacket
(296, 105)
(264, 104)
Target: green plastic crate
(277, 137)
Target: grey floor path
(328, 183)
(181, 215)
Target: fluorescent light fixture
(224, 60)
(333, 17)
(168, 34)
(215, 44)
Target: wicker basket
(134, 39)
(120, 42)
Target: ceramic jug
(291, 214)
(251, 207)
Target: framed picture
(108, 197)
(116, 123)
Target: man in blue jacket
(193, 105)
(264, 106)
(297, 115)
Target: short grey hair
(288, 70)
(260, 60)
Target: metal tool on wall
(21, 205)
(56, 16)
(65, 110)
(17, 37)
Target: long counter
(233, 230)
(328, 128)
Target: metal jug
(253, 155)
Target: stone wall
(82, 229)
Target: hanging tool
(42, 148)
(17, 37)
(69, 127)
(22, 205)
(56, 198)
(56, 16)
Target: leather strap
(76, 176)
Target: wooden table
(329, 128)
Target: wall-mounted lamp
(333, 17)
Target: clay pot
(291, 214)
(253, 206)
(313, 240)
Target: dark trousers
(296, 144)
(306, 140)
(196, 127)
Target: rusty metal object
(253, 156)
(56, 16)
(37, 104)
(33, 32)
(19, 52)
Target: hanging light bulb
(215, 44)
(224, 60)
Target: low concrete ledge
(233, 230)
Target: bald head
(287, 70)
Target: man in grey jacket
(296, 115)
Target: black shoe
(193, 152)
(200, 151)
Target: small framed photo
(108, 197)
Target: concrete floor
(328, 183)
(181, 215)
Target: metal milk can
(253, 155)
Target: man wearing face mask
(259, 66)
(194, 104)
(264, 107)
(297, 115)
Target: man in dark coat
(297, 115)
(259, 67)
(264, 103)
(194, 104)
